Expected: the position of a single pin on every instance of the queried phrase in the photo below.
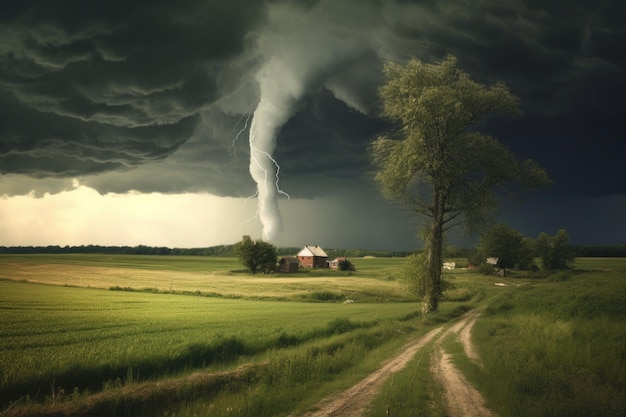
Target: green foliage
(525, 255)
(554, 250)
(257, 256)
(346, 265)
(556, 348)
(414, 274)
(508, 245)
(324, 296)
(502, 242)
(486, 269)
(441, 167)
(618, 251)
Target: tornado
(279, 94)
(301, 50)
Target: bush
(486, 269)
(346, 265)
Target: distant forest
(227, 251)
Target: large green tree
(256, 255)
(555, 251)
(438, 162)
(504, 243)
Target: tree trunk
(434, 259)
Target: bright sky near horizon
(78, 216)
(81, 216)
(128, 124)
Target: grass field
(78, 335)
(550, 346)
(374, 279)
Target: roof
(312, 250)
(290, 260)
(339, 259)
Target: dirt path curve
(465, 337)
(353, 401)
(461, 397)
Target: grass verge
(555, 348)
(412, 392)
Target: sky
(193, 123)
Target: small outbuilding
(313, 256)
(289, 264)
(492, 261)
(334, 264)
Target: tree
(257, 256)
(554, 251)
(501, 242)
(437, 163)
(526, 255)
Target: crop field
(79, 330)
(166, 315)
(373, 281)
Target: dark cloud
(150, 95)
(92, 87)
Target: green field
(74, 328)
(175, 314)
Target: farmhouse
(313, 257)
(289, 264)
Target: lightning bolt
(256, 153)
(232, 149)
(258, 164)
(245, 203)
(259, 158)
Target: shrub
(486, 269)
(346, 265)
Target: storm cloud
(149, 96)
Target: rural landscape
(150, 335)
(471, 152)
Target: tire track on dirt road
(461, 398)
(354, 401)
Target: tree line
(222, 250)
(219, 250)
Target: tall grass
(294, 381)
(557, 348)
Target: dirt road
(353, 401)
(461, 398)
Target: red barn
(313, 257)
